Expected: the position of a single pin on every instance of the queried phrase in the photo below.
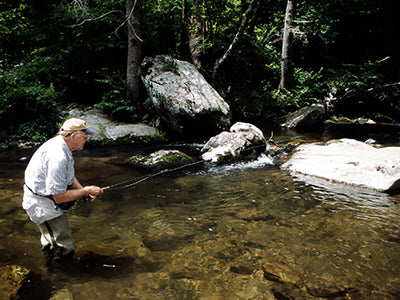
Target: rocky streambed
(238, 230)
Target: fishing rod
(137, 180)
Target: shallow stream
(232, 231)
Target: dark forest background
(55, 55)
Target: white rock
(348, 161)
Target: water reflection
(235, 231)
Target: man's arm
(77, 192)
(76, 184)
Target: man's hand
(93, 191)
(71, 195)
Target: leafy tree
(53, 54)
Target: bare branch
(120, 25)
(134, 32)
(78, 3)
(96, 19)
(79, 7)
(240, 31)
(302, 22)
(82, 6)
(127, 20)
(383, 86)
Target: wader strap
(58, 250)
(36, 194)
(63, 206)
(53, 240)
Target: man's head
(74, 124)
(75, 133)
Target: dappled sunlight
(231, 231)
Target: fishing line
(137, 180)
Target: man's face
(79, 140)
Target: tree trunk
(183, 48)
(287, 65)
(195, 35)
(134, 55)
(250, 10)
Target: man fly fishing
(51, 188)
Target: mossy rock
(160, 159)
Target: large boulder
(349, 161)
(182, 97)
(305, 117)
(109, 131)
(230, 145)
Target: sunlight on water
(262, 161)
(229, 231)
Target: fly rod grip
(87, 198)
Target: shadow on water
(385, 134)
(231, 231)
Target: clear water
(234, 231)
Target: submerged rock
(162, 236)
(63, 294)
(280, 273)
(349, 161)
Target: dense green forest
(57, 54)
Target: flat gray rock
(348, 161)
(110, 131)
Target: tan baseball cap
(75, 124)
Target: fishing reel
(86, 198)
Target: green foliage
(382, 118)
(169, 64)
(27, 106)
(162, 28)
(359, 89)
(114, 100)
(340, 119)
(46, 63)
(309, 90)
(352, 79)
